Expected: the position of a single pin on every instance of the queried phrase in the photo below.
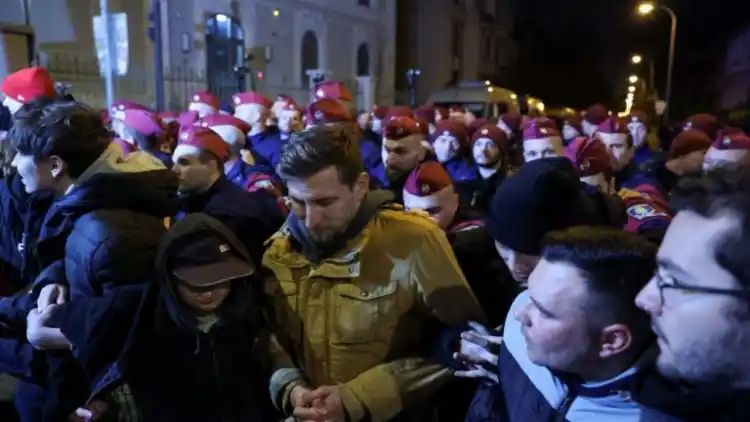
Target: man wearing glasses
(699, 298)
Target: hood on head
(235, 305)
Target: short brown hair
(317, 148)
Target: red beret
(144, 122)
(425, 181)
(379, 112)
(218, 119)
(475, 124)
(422, 123)
(426, 112)
(596, 114)
(399, 111)
(708, 123)
(205, 139)
(454, 129)
(250, 97)
(206, 97)
(732, 138)
(168, 116)
(492, 132)
(119, 106)
(326, 110)
(689, 140)
(27, 84)
(512, 120)
(539, 129)
(334, 90)
(400, 127)
(612, 125)
(188, 118)
(589, 156)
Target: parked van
(482, 99)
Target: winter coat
(241, 171)
(266, 146)
(143, 350)
(252, 216)
(360, 314)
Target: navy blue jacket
(266, 145)
(100, 236)
(142, 336)
(241, 171)
(252, 216)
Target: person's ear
(614, 340)
(57, 166)
(361, 186)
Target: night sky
(576, 52)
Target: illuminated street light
(276, 13)
(633, 79)
(513, 96)
(490, 89)
(487, 82)
(630, 96)
(646, 8)
(631, 89)
(637, 58)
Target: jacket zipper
(562, 410)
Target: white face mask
(446, 147)
(569, 132)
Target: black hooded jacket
(174, 371)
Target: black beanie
(545, 195)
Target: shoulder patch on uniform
(644, 211)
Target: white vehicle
(480, 98)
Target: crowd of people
(273, 261)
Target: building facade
(273, 46)
(451, 41)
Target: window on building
(309, 56)
(363, 60)
(365, 3)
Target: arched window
(309, 56)
(363, 60)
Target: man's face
(35, 175)
(194, 176)
(204, 300)
(702, 337)
(693, 162)
(202, 109)
(403, 155)
(716, 158)
(12, 104)
(638, 131)
(290, 121)
(588, 128)
(619, 151)
(324, 203)
(554, 321)
(446, 147)
(519, 264)
(485, 152)
(442, 211)
(534, 149)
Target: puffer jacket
(361, 315)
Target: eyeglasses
(662, 285)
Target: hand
(327, 406)
(39, 335)
(300, 397)
(475, 352)
(52, 294)
(90, 413)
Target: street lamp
(631, 89)
(636, 58)
(646, 8)
(633, 79)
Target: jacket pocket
(363, 314)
